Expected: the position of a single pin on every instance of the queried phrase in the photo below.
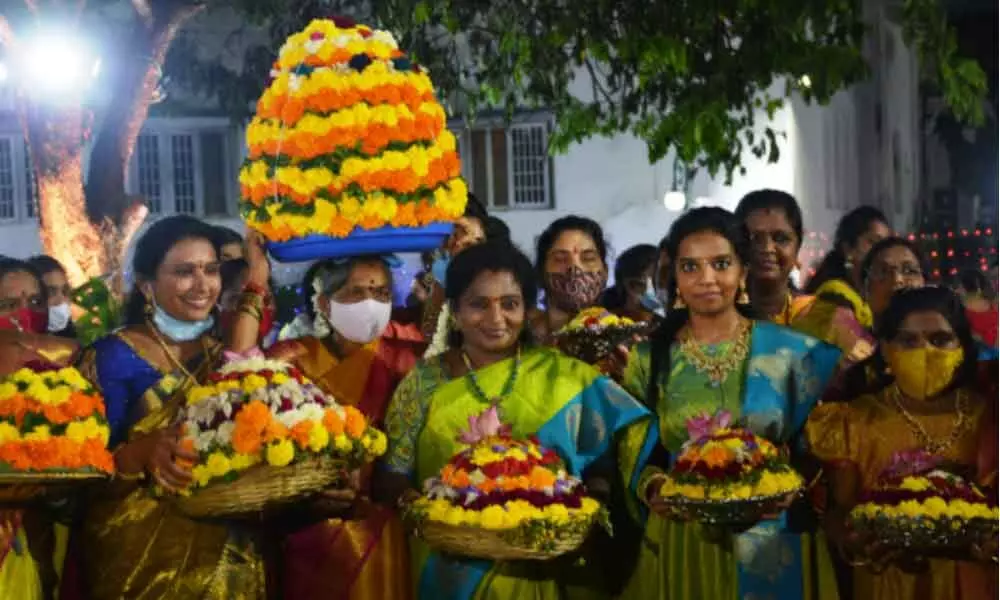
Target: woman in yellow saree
(134, 545)
(569, 405)
(358, 356)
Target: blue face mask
(439, 269)
(177, 330)
(651, 301)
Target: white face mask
(59, 317)
(360, 322)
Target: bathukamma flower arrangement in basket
(265, 436)
(728, 475)
(504, 499)
(595, 332)
(917, 505)
(53, 431)
(349, 152)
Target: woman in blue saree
(568, 404)
(707, 357)
(132, 544)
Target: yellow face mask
(923, 373)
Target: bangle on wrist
(259, 290)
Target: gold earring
(679, 301)
(744, 297)
(148, 309)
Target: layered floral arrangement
(52, 422)
(515, 488)
(913, 487)
(348, 135)
(721, 464)
(595, 333)
(255, 411)
(596, 319)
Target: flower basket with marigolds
(595, 333)
(53, 434)
(349, 152)
(266, 436)
(504, 499)
(728, 476)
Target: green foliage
(100, 311)
(687, 76)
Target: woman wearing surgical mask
(356, 354)
(130, 542)
(928, 400)
(571, 262)
(634, 271)
(59, 294)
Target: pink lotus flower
(911, 462)
(705, 425)
(484, 426)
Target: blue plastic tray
(387, 240)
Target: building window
(31, 185)
(147, 157)
(7, 196)
(508, 168)
(182, 154)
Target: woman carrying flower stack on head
(26, 537)
(709, 357)
(357, 356)
(537, 391)
(134, 545)
(838, 276)
(929, 404)
(774, 223)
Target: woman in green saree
(132, 544)
(566, 403)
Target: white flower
(312, 412)
(224, 434)
(191, 430)
(313, 46)
(203, 413)
(204, 441)
(251, 365)
(385, 37)
(342, 40)
(290, 418)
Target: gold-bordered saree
(134, 545)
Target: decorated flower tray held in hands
(53, 434)
(918, 507)
(728, 476)
(266, 436)
(595, 333)
(503, 499)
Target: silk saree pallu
(135, 546)
(573, 410)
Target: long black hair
(496, 256)
(849, 230)
(632, 264)
(904, 302)
(152, 248)
(569, 223)
(707, 219)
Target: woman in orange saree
(358, 356)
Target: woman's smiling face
(188, 283)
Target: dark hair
(886, 244)
(974, 281)
(560, 226)
(496, 229)
(851, 227)
(493, 257)
(332, 274)
(44, 264)
(474, 209)
(151, 249)
(904, 302)
(712, 219)
(632, 264)
(12, 265)
(227, 236)
(231, 271)
(772, 200)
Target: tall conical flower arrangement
(348, 143)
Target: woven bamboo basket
(509, 544)
(263, 486)
(17, 487)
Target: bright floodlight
(674, 201)
(3, 72)
(56, 63)
(805, 81)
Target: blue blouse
(123, 377)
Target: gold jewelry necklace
(719, 366)
(923, 438)
(170, 355)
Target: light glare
(674, 201)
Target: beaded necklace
(477, 390)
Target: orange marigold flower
(542, 478)
(717, 457)
(300, 433)
(354, 422)
(332, 421)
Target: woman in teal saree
(567, 404)
(708, 357)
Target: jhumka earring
(744, 297)
(147, 309)
(679, 301)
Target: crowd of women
(869, 360)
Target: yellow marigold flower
(40, 433)
(242, 462)
(557, 513)
(60, 395)
(39, 391)
(225, 386)
(76, 432)
(280, 453)
(589, 506)
(218, 464)
(7, 390)
(74, 378)
(201, 475)
(483, 455)
(24, 376)
(516, 454)
(319, 437)
(915, 484)
(199, 394)
(8, 433)
(342, 443)
(455, 515)
(492, 517)
(252, 383)
(379, 443)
